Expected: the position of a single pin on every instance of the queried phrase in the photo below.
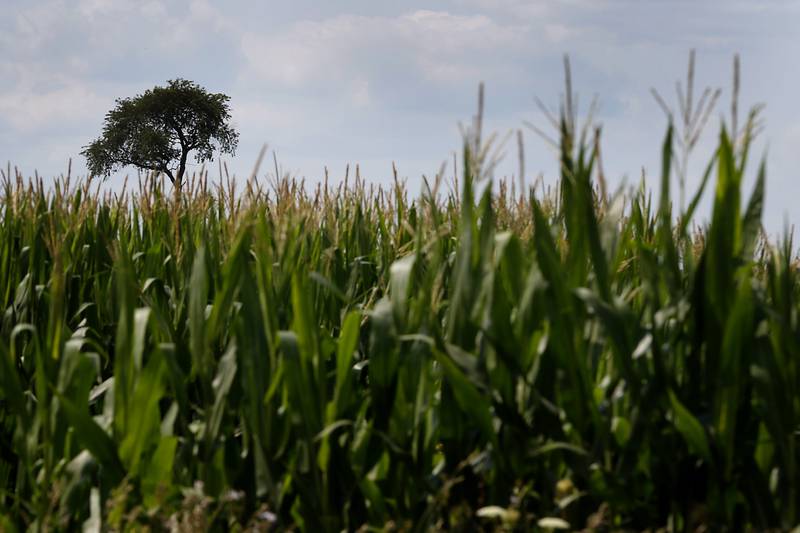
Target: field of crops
(345, 357)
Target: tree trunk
(181, 167)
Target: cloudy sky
(369, 82)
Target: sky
(326, 83)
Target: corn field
(279, 357)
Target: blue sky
(331, 83)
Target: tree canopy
(158, 129)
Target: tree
(157, 130)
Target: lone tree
(157, 130)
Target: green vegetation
(348, 357)
(158, 129)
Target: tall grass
(347, 357)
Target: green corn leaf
(94, 439)
(145, 420)
(157, 474)
(751, 223)
(466, 394)
(400, 281)
(734, 373)
(348, 341)
(198, 299)
(12, 391)
(689, 427)
(226, 372)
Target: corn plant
(344, 357)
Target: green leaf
(299, 385)
(143, 429)
(94, 439)
(347, 344)
(11, 389)
(157, 475)
(226, 372)
(198, 299)
(751, 223)
(400, 280)
(690, 428)
(469, 399)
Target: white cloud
(436, 45)
(90, 8)
(558, 33)
(34, 26)
(360, 93)
(253, 113)
(517, 8)
(114, 27)
(32, 110)
(56, 55)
